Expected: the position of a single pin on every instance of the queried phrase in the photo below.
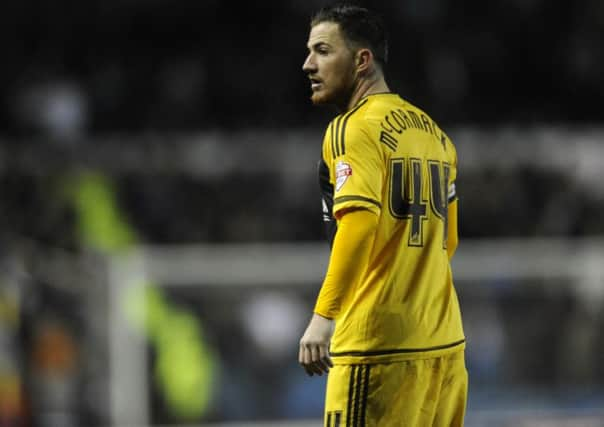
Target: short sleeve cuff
(354, 201)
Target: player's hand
(314, 346)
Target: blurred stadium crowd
(105, 104)
(106, 66)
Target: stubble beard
(338, 98)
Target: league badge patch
(343, 171)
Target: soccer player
(387, 323)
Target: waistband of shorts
(395, 355)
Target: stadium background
(160, 232)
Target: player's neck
(367, 87)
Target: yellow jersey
(390, 157)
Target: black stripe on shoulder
(333, 138)
(343, 127)
(338, 136)
(361, 198)
(397, 351)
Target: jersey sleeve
(451, 189)
(326, 186)
(357, 169)
(452, 230)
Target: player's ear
(364, 60)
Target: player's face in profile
(329, 65)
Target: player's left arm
(452, 232)
(452, 235)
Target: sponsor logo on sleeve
(452, 192)
(343, 171)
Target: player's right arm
(357, 169)
(349, 256)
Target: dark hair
(359, 25)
